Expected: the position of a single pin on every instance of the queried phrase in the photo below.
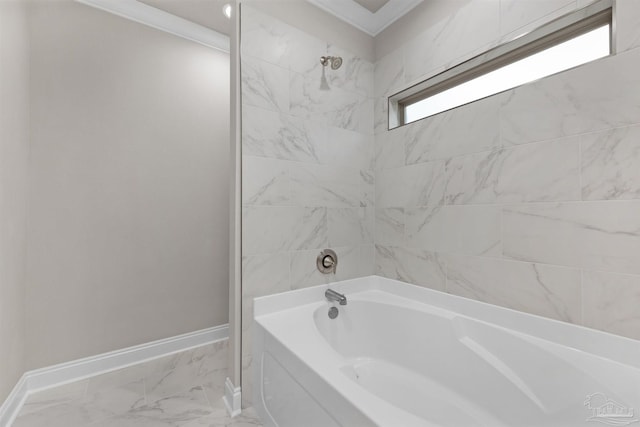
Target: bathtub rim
(617, 348)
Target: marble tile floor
(180, 390)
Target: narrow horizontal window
(573, 40)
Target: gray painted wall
(14, 152)
(128, 218)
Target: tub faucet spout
(332, 295)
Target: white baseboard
(56, 375)
(11, 407)
(232, 398)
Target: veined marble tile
(464, 230)
(162, 384)
(265, 85)
(389, 149)
(346, 148)
(516, 14)
(546, 171)
(627, 25)
(367, 188)
(610, 164)
(592, 235)
(170, 362)
(416, 266)
(380, 115)
(118, 400)
(117, 378)
(367, 262)
(355, 74)
(210, 359)
(275, 135)
(262, 275)
(474, 24)
(248, 418)
(313, 185)
(67, 393)
(414, 185)
(544, 290)
(611, 303)
(350, 226)
(63, 415)
(264, 37)
(356, 114)
(269, 229)
(304, 52)
(214, 389)
(389, 73)
(470, 128)
(265, 274)
(575, 101)
(336, 106)
(176, 410)
(265, 181)
(304, 271)
(179, 372)
(531, 23)
(276, 42)
(390, 227)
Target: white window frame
(548, 35)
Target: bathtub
(400, 355)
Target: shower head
(335, 61)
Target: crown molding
(163, 21)
(361, 18)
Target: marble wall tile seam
(555, 302)
(565, 140)
(504, 38)
(303, 163)
(508, 205)
(451, 63)
(608, 302)
(302, 185)
(295, 32)
(315, 77)
(482, 256)
(503, 146)
(519, 261)
(603, 235)
(263, 85)
(609, 161)
(513, 33)
(290, 252)
(509, 144)
(299, 140)
(514, 174)
(548, 291)
(388, 74)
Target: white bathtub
(399, 355)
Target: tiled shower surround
(529, 199)
(307, 181)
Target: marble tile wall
(529, 199)
(308, 158)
